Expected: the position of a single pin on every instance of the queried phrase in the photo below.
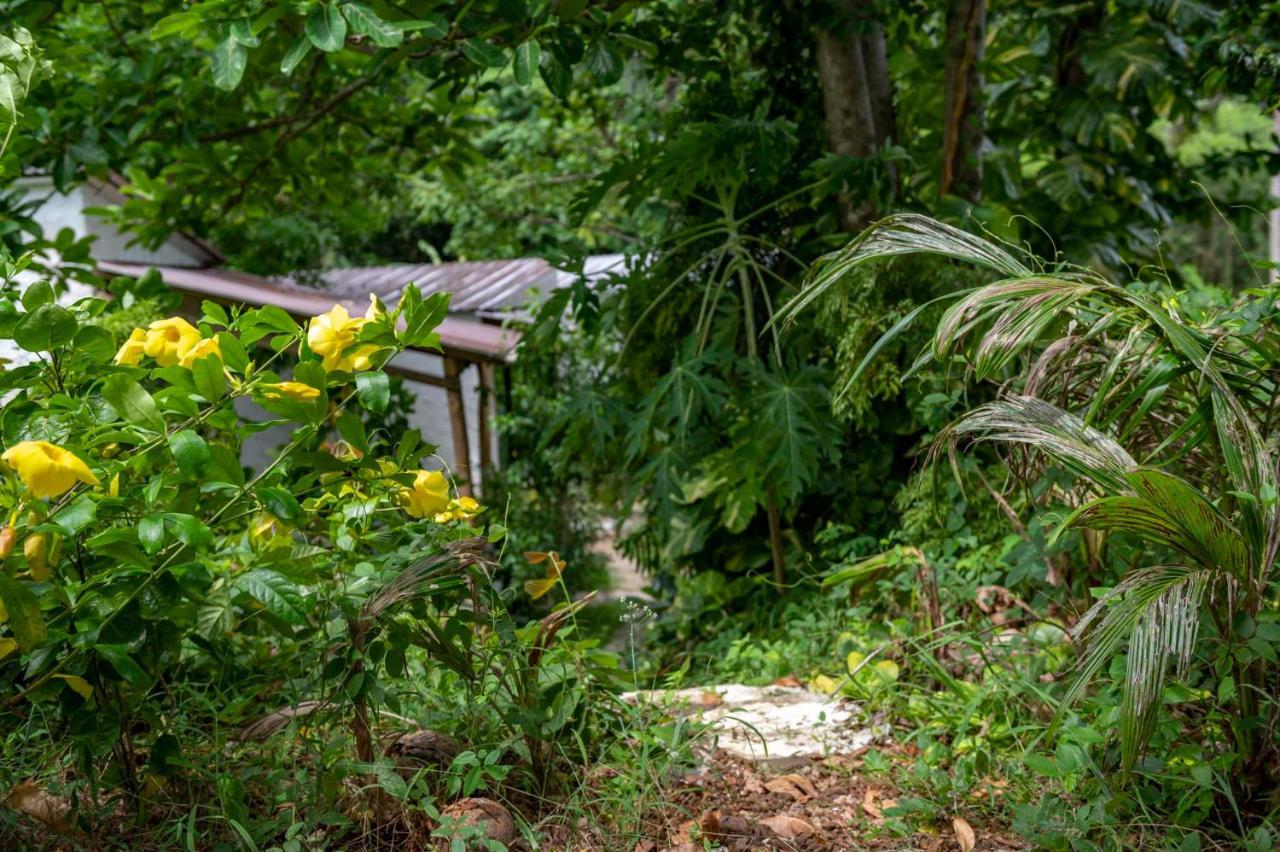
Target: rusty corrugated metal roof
(460, 337)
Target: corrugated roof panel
(475, 285)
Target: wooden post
(485, 415)
(458, 423)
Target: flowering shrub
(138, 547)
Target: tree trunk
(857, 94)
(962, 105)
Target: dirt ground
(797, 804)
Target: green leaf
(525, 63)
(179, 23)
(483, 53)
(208, 377)
(352, 429)
(366, 22)
(295, 54)
(24, 613)
(374, 389)
(189, 529)
(557, 75)
(422, 315)
(39, 293)
(121, 544)
(273, 318)
(242, 31)
(233, 352)
(79, 514)
(132, 402)
(45, 329)
(326, 28)
(433, 26)
(191, 453)
(11, 95)
(151, 533)
(604, 62)
(279, 502)
(125, 666)
(276, 593)
(94, 344)
(228, 62)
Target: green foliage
(1186, 400)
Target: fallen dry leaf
(796, 786)
(39, 804)
(683, 833)
(790, 680)
(709, 825)
(645, 846)
(871, 804)
(964, 834)
(788, 827)
(874, 805)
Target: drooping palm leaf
(904, 233)
(1167, 511)
(1156, 612)
(1019, 309)
(1059, 434)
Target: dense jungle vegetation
(940, 375)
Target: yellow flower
(428, 495)
(131, 351)
(168, 339)
(377, 311)
(200, 349)
(459, 510)
(331, 335)
(48, 470)
(296, 391)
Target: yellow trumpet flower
(200, 349)
(132, 350)
(47, 469)
(168, 339)
(428, 494)
(296, 391)
(331, 335)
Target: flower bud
(36, 549)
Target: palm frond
(1156, 612)
(1166, 510)
(901, 234)
(1019, 310)
(1062, 436)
